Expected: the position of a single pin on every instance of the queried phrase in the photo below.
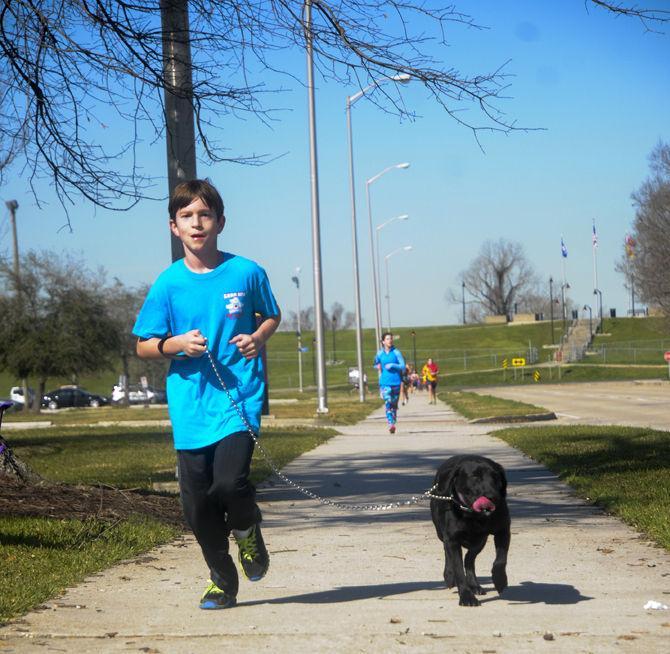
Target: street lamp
(463, 299)
(413, 333)
(334, 348)
(354, 230)
(322, 402)
(564, 286)
(378, 229)
(405, 248)
(296, 280)
(599, 293)
(586, 306)
(375, 282)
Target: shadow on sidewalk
(352, 593)
(530, 592)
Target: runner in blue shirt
(209, 301)
(391, 364)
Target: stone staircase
(575, 343)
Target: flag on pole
(564, 250)
(594, 237)
(629, 241)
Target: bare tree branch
(73, 69)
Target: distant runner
(391, 365)
(429, 372)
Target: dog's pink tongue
(483, 504)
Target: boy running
(391, 364)
(207, 303)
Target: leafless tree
(72, 68)
(649, 16)
(498, 278)
(652, 232)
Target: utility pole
(178, 92)
(13, 205)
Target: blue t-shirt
(221, 304)
(391, 376)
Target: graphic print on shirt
(235, 303)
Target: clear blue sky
(598, 85)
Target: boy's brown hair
(187, 192)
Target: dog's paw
(499, 578)
(467, 598)
(477, 590)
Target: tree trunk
(126, 376)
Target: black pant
(216, 497)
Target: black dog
(478, 488)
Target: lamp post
(322, 401)
(405, 248)
(351, 100)
(463, 299)
(586, 306)
(375, 281)
(414, 348)
(378, 229)
(551, 307)
(334, 321)
(564, 285)
(296, 280)
(599, 293)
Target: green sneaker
(253, 556)
(215, 598)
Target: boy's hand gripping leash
(324, 500)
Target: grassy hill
(631, 341)
(467, 354)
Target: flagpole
(594, 248)
(563, 258)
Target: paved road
(644, 404)
(359, 582)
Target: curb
(529, 417)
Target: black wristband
(160, 345)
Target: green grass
(42, 557)
(344, 407)
(88, 416)
(631, 341)
(474, 405)
(578, 372)
(623, 469)
(47, 555)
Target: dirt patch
(62, 501)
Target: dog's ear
(445, 477)
(503, 479)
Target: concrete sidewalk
(371, 582)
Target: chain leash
(415, 499)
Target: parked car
(139, 395)
(16, 395)
(67, 396)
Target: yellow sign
(536, 375)
(518, 362)
(504, 363)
